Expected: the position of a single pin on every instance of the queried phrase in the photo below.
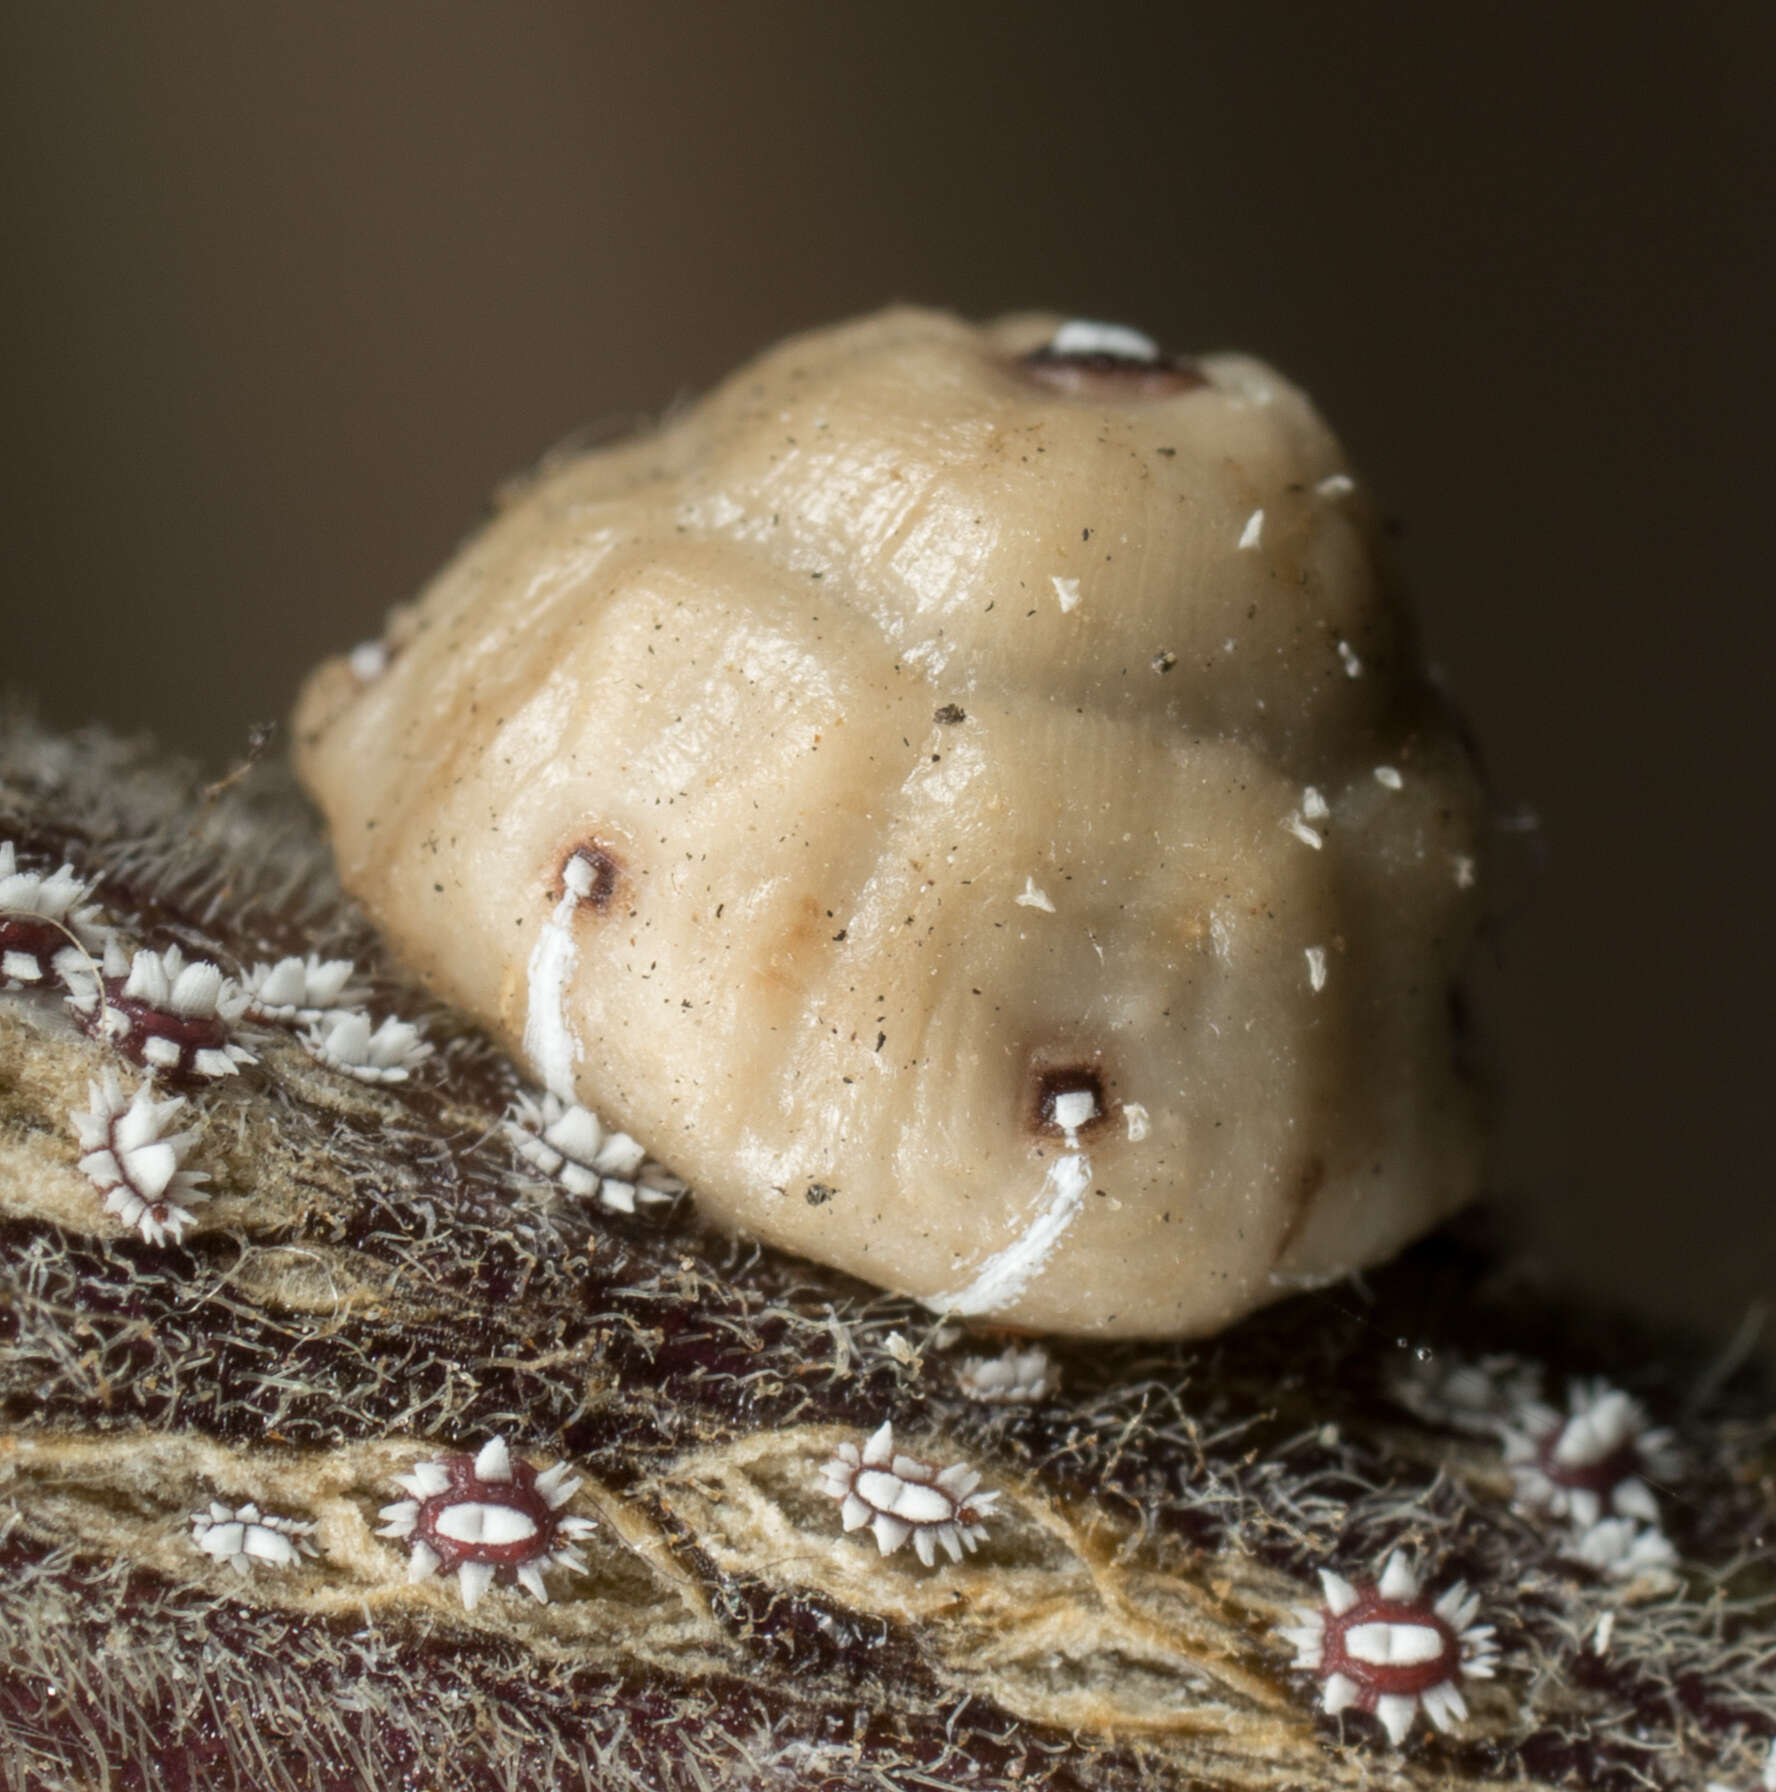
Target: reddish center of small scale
(519, 1494)
(1400, 1678)
(1600, 1477)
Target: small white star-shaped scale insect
(900, 1496)
(133, 1161)
(1597, 1459)
(570, 1144)
(299, 991)
(1626, 1551)
(1013, 1378)
(243, 1535)
(343, 1041)
(1475, 1395)
(171, 1014)
(1385, 1649)
(484, 1518)
(42, 916)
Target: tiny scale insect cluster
(183, 1020)
(485, 1518)
(1377, 1646)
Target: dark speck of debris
(949, 715)
(819, 1193)
(1165, 660)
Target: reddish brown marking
(519, 1493)
(129, 1022)
(1048, 1082)
(33, 935)
(1405, 1679)
(1114, 377)
(1602, 1477)
(604, 867)
(1300, 1199)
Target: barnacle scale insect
(298, 991)
(172, 1015)
(243, 1535)
(343, 1041)
(41, 916)
(484, 1518)
(1015, 1377)
(900, 1496)
(1382, 1647)
(1597, 1458)
(133, 1161)
(569, 1143)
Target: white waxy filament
(549, 1042)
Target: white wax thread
(549, 1042)
(1000, 1281)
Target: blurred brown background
(289, 288)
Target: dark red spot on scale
(1602, 1477)
(1405, 1679)
(32, 935)
(130, 1023)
